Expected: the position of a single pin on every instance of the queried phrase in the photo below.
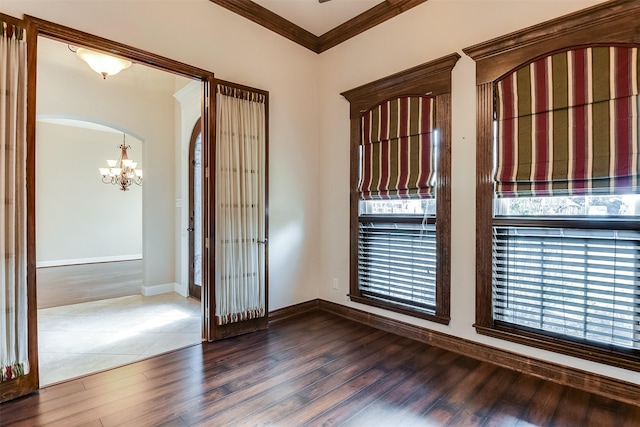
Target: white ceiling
(316, 17)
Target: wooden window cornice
(613, 21)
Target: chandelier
(122, 172)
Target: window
(558, 220)
(400, 195)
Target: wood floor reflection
(315, 369)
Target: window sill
(386, 305)
(613, 356)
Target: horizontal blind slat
(397, 262)
(577, 282)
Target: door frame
(38, 27)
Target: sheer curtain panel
(13, 268)
(240, 205)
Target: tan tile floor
(79, 339)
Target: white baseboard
(95, 260)
(181, 289)
(163, 288)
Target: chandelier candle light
(122, 172)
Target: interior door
(240, 221)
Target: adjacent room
(334, 212)
(98, 306)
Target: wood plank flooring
(314, 369)
(74, 284)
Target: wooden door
(227, 323)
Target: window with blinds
(400, 192)
(397, 262)
(566, 245)
(579, 283)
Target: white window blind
(397, 262)
(580, 283)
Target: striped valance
(398, 153)
(568, 125)
(235, 92)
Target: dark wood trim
(399, 308)
(72, 36)
(271, 21)
(195, 291)
(626, 360)
(433, 78)
(484, 203)
(443, 208)
(318, 44)
(614, 21)
(218, 332)
(376, 15)
(13, 21)
(243, 87)
(28, 383)
(588, 381)
(294, 310)
(208, 205)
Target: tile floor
(79, 339)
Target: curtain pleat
(568, 125)
(397, 152)
(14, 359)
(240, 205)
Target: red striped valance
(568, 124)
(397, 152)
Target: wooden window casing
(613, 22)
(433, 79)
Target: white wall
(138, 101)
(429, 31)
(204, 35)
(78, 218)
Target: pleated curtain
(240, 205)
(397, 153)
(14, 358)
(568, 124)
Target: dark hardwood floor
(314, 369)
(74, 284)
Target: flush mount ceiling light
(102, 64)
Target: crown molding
(318, 44)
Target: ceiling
(315, 17)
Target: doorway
(124, 306)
